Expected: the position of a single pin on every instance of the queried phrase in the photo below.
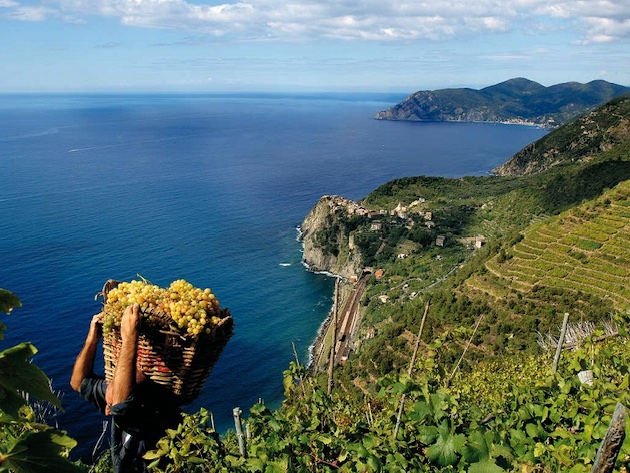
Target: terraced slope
(585, 250)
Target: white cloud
(599, 20)
(594, 20)
(605, 30)
(27, 13)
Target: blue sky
(308, 45)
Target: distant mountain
(513, 101)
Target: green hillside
(583, 250)
(522, 280)
(600, 130)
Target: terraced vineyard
(585, 249)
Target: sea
(208, 188)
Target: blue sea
(205, 188)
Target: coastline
(317, 345)
(318, 342)
(315, 348)
(540, 126)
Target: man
(141, 410)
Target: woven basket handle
(108, 286)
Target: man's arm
(125, 373)
(84, 364)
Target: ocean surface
(206, 188)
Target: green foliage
(17, 375)
(8, 301)
(328, 238)
(513, 416)
(191, 448)
(603, 128)
(40, 451)
(25, 445)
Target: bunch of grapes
(192, 309)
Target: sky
(308, 45)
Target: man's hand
(96, 326)
(130, 322)
(84, 364)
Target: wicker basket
(181, 363)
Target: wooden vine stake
(448, 380)
(411, 365)
(239, 430)
(611, 445)
(563, 333)
(297, 362)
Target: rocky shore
(347, 264)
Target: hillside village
(380, 222)
(417, 213)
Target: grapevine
(192, 309)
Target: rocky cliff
(327, 247)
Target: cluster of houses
(402, 212)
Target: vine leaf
(477, 448)
(39, 452)
(18, 374)
(421, 410)
(485, 466)
(8, 301)
(427, 434)
(444, 451)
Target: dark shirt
(137, 423)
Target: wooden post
(239, 430)
(331, 360)
(448, 380)
(410, 370)
(297, 362)
(563, 332)
(611, 445)
(415, 349)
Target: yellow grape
(192, 309)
